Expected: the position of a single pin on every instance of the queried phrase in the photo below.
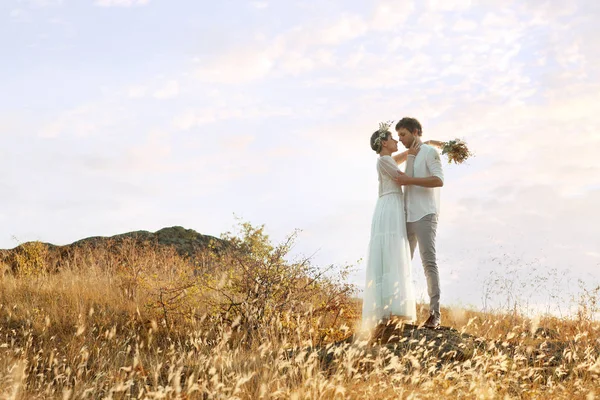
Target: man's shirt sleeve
(434, 163)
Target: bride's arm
(435, 143)
(400, 157)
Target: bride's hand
(401, 178)
(414, 148)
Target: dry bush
(31, 259)
(255, 285)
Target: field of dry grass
(90, 331)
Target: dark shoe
(432, 322)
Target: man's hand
(414, 148)
(402, 178)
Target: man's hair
(411, 124)
(376, 144)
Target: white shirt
(421, 201)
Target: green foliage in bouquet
(456, 151)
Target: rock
(546, 333)
(186, 242)
(445, 342)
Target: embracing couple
(405, 216)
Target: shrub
(255, 284)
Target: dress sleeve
(386, 166)
(434, 163)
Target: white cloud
(299, 50)
(464, 25)
(237, 67)
(151, 155)
(414, 41)
(190, 119)
(433, 21)
(376, 71)
(20, 15)
(259, 4)
(195, 118)
(448, 5)
(584, 102)
(121, 3)
(136, 91)
(571, 56)
(347, 27)
(391, 15)
(16, 13)
(494, 20)
(296, 63)
(42, 3)
(75, 121)
(168, 91)
(85, 121)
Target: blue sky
(121, 115)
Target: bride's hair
(376, 139)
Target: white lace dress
(388, 286)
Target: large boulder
(186, 242)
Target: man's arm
(437, 174)
(435, 167)
(429, 182)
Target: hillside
(186, 242)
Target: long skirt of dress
(388, 287)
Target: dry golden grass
(91, 332)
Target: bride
(389, 292)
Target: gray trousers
(422, 232)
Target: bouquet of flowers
(456, 150)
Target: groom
(423, 174)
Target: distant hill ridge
(186, 242)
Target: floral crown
(383, 132)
